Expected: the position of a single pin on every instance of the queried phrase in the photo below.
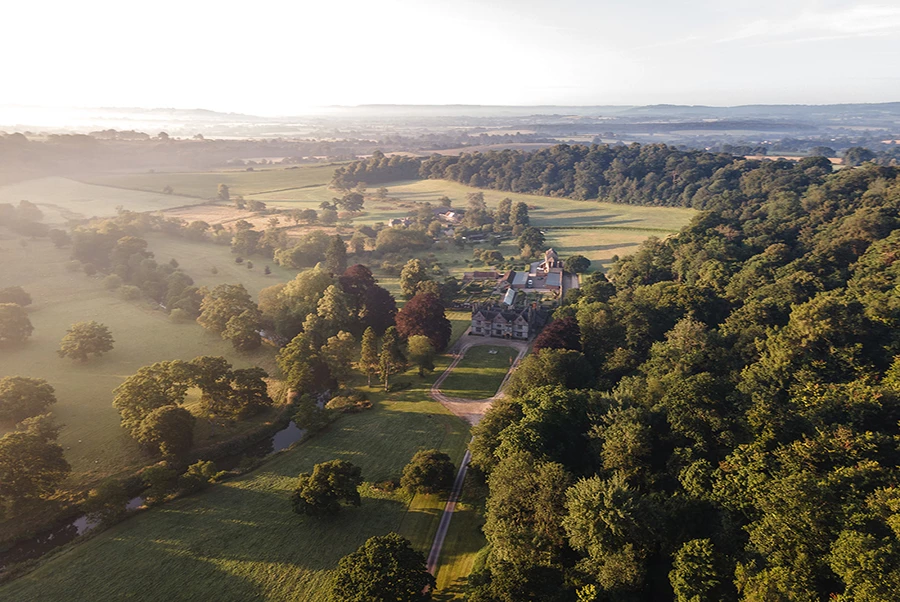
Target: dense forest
(653, 174)
(717, 420)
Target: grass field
(62, 199)
(197, 259)
(479, 374)
(205, 184)
(618, 229)
(464, 541)
(95, 444)
(239, 540)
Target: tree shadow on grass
(453, 591)
(607, 247)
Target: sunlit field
(240, 540)
(262, 180)
(62, 199)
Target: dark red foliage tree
(424, 314)
(356, 282)
(560, 334)
(379, 309)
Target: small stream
(42, 543)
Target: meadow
(95, 445)
(197, 259)
(615, 229)
(598, 230)
(239, 540)
(62, 199)
(261, 180)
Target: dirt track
(472, 410)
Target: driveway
(472, 410)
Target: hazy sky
(270, 57)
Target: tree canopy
(384, 569)
(15, 327)
(329, 486)
(424, 315)
(84, 339)
(22, 397)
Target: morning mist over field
(432, 301)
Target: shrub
(106, 504)
(112, 282)
(73, 266)
(130, 293)
(348, 404)
(179, 316)
(429, 471)
(199, 476)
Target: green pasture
(95, 444)
(463, 542)
(479, 374)
(616, 229)
(239, 540)
(62, 199)
(259, 182)
(197, 259)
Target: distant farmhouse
(543, 275)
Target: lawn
(464, 541)
(479, 374)
(258, 183)
(239, 540)
(62, 199)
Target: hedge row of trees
(651, 174)
(719, 419)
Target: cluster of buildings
(503, 320)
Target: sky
(279, 58)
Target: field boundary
(627, 228)
(285, 189)
(147, 190)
